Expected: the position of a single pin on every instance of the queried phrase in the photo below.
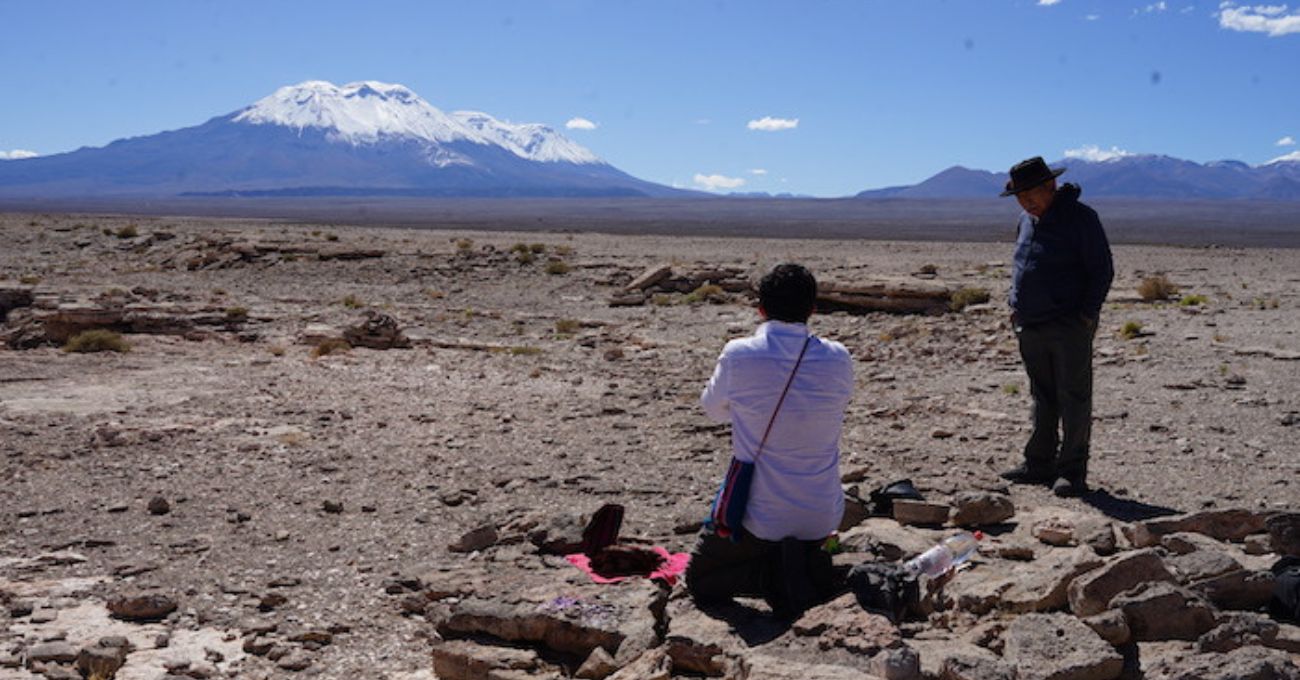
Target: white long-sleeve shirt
(796, 490)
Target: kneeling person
(784, 392)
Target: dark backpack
(1285, 604)
(602, 531)
(885, 588)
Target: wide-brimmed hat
(1028, 174)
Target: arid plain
(309, 494)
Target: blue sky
(695, 93)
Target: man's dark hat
(1030, 173)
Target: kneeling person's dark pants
(791, 575)
(1058, 360)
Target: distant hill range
(1132, 176)
(319, 139)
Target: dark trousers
(1058, 359)
(791, 575)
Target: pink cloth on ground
(674, 565)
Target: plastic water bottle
(949, 553)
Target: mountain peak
(368, 112)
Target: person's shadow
(1124, 509)
(752, 625)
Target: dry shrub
(965, 297)
(352, 302)
(330, 346)
(1130, 330)
(464, 243)
(129, 231)
(557, 267)
(567, 326)
(1193, 300)
(709, 292)
(1156, 287)
(96, 340)
(236, 314)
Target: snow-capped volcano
(317, 138)
(369, 112)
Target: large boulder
(623, 619)
(146, 607)
(1043, 585)
(1091, 593)
(1059, 647)
(1163, 611)
(1233, 524)
(377, 331)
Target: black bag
(882, 499)
(1285, 604)
(885, 588)
(602, 531)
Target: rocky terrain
(359, 452)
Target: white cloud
(1092, 17)
(1286, 141)
(1293, 157)
(703, 121)
(1095, 154)
(718, 182)
(1274, 20)
(770, 124)
(758, 171)
(1048, 3)
(579, 123)
(17, 154)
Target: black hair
(788, 293)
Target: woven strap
(782, 399)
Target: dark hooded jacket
(1062, 265)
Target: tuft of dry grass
(129, 231)
(965, 297)
(97, 340)
(330, 346)
(1130, 330)
(1195, 300)
(352, 302)
(236, 314)
(557, 267)
(709, 292)
(1156, 287)
(567, 326)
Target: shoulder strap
(782, 399)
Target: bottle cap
(979, 535)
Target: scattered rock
(332, 507)
(378, 331)
(147, 607)
(101, 661)
(1284, 533)
(1164, 611)
(1247, 663)
(1238, 630)
(908, 511)
(1059, 647)
(844, 624)
(1054, 531)
(478, 539)
(1225, 525)
(981, 508)
(1111, 625)
(52, 652)
(598, 666)
(159, 506)
(896, 663)
(1091, 593)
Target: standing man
(796, 500)
(1060, 278)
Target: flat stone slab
(1059, 647)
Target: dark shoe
(1024, 474)
(1066, 487)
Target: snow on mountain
(371, 112)
(528, 140)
